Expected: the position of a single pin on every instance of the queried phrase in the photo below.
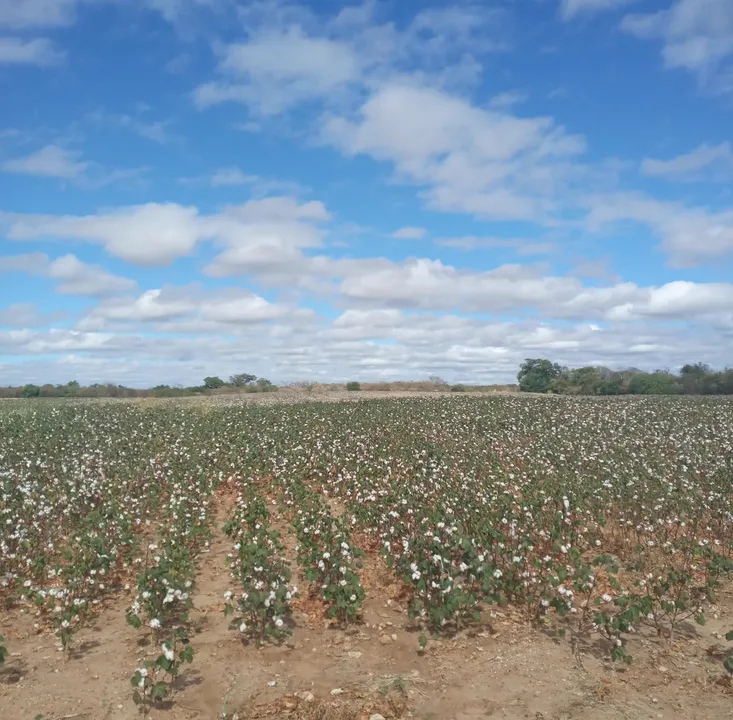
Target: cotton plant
(164, 589)
(588, 599)
(165, 585)
(75, 587)
(438, 564)
(329, 560)
(154, 681)
(261, 606)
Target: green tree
(612, 386)
(71, 388)
(694, 378)
(698, 369)
(723, 382)
(656, 383)
(242, 379)
(587, 380)
(30, 391)
(537, 374)
(353, 385)
(212, 383)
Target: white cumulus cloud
(689, 164)
(696, 35)
(37, 51)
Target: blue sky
(384, 190)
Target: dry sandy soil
(502, 669)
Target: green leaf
(728, 664)
(135, 621)
(700, 619)
(159, 691)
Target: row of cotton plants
(260, 606)
(593, 517)
(167, 577)
(325, 551)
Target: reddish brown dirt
(501, 670)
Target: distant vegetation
(542, 376)
(240, 383)
(536, 375)
(211, 385)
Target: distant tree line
(541, 375)
(243, 382)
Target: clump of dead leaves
(391, 705)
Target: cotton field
(599, 523)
